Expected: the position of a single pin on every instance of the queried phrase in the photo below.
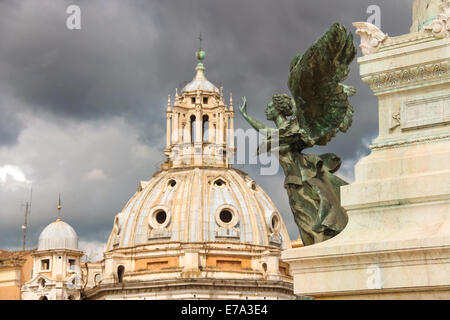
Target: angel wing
(321, 101)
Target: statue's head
(281, 104)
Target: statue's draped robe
(314, 196)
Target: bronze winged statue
(318, 110)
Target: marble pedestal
(397, 242)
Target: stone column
(224, 130)
(168, 133)
(187, 131)
(198, 126)
(180, 129)
(210, 128)
(217, 131)
(175, 128)
(231, 131)
(220, 128)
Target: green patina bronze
(318, 111)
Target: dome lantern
(200, 127)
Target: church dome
(58, 235)
(197, 206)
(198, 223)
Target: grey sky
(82, 112)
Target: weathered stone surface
(424, 11)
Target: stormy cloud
(82, 111)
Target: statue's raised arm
(257, 125)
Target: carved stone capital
(440, 27)
(371, 37)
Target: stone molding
(409, 142)
(408, 76)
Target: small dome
(200, 82)
(58, 235)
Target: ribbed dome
(200, 82)
(199, 205)
(58, 235)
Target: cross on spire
(200, 52)
(201, 39)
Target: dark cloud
(122, 63)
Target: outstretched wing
(321, 103)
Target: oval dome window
(226, 216)
(161, 217)
(172, 183)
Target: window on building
(205, 100)
(45, 264)
(120, 272)
(97, 278)
(193, 128)
(205, 128)
(226, 216)
(72, 264)
(161, 216)
(193, 100)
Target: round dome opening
(172, 183)
(161, 217)
(226, 216)
(275, 222)
(219, 182)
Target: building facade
(15, 269)
(56, 267)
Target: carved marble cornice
(416, 140)
(395, 79)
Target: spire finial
(231, 101)
(200, 38)
(168, 102)
(200, 54)
(59, 208)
